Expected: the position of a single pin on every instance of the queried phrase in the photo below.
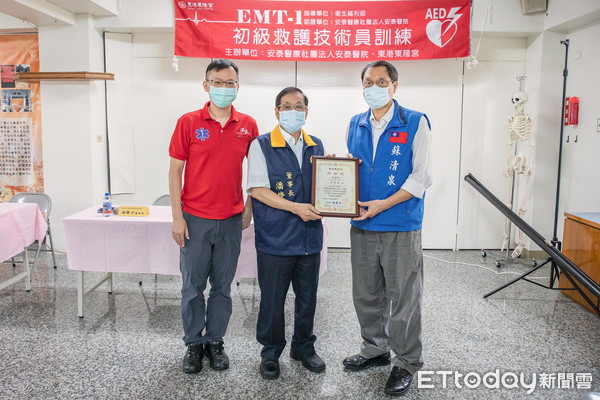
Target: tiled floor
(129, 344)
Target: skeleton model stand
(520, 160)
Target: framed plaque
(335, 186)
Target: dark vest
(277, 231)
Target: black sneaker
(192, 361)
(216, 355)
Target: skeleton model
(520, 160)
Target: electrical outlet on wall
(598, 126)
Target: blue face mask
(222, 96)
(292, 120)
(376, 97)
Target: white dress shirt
(377, 128)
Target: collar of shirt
(378, 127)
(205, 114)
(386, 118)
(289, 139)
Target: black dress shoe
(313, 363)
(398, 382)
(192, 361)
(216, 355)
(358, 362)
(269, 369)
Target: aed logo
(278, 17)
(443, 25)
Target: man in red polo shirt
(209, 212)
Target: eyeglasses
(218, 83)
(380, 83)
(289, 107)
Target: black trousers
(274, 276)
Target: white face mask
(292, 120)
(376, 97)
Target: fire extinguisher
(573, 110)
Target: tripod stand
(556, 259)
(571, 271)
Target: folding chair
(163, 200)
(45, 205)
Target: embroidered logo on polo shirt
(243, 132)
(202, 134)
(398, 137)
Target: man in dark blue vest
(394, 145)
(289, 233)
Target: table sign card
(335, 186)
(133, 211)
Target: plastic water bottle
(106, 205)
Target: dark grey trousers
(387, 287)
(210, 254)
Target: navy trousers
(274, 276)
(211, 254)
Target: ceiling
(57, 12)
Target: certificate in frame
(335, 186)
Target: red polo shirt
(213, 155)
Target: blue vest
(277, 231)
(384, 176)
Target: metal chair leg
(51, 245)
(36, 256)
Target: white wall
(434, 88)
(504, 18)
(159, 95)
(335, 95)
(580, 184)
(487, 105)
(10, 24)
(487, 89)
(140, 15)
(73, 122)
(563, 16)
(545, 62)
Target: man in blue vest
(289, 233)
(394, 145)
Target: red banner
(323, 31)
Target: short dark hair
(220, 64)
(392, 72)
(288, 90)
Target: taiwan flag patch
(398, 137)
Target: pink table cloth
(20, 225)
(140, 244)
